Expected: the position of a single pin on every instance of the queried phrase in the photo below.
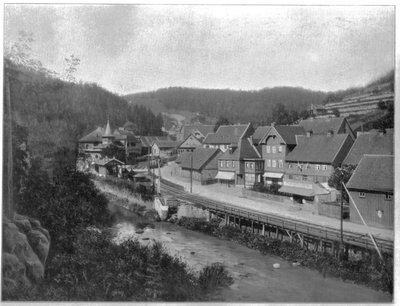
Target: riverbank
(368, 271)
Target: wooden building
(189, 144)
(241, 165)
(322, 126)
(228, 136)
(275, 146)
(371, 189)
(202, 163)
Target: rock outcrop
(25, 248)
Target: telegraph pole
(341, 223)
(191, 172)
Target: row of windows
(388, 196)
(309, 178)
(308, 166)
(272, 163)
(274, 148)
(227, 163)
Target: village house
(94, 143)
(108, 166)
(311, 163)
(164, 148)
(241, 165)
(276, 144)
(371, 142)
(371, 190)
(202, 162)
(189, 144)
(321, 126)
(228, 135)
(148, 141)
(200, 131)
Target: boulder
(23, 225)
(25, 248)
(40, 244)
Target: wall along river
(255, 279)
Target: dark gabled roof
(105, 161)
(227, 134)
(317, 148)
(373, 173)
(195, 139)
(289, 132)
(95, 136)
(125, 135)
(370, 143)
(322, 125)
(245, 150)
(167, 144)
(259, 133)
(147, 141)
(202, 157)
(202, 128)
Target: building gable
(190, 142)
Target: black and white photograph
(210, 153)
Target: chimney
(272, 124)
(309, 133)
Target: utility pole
(159, 178)
(341, 224)
(191, 172)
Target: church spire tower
(108, 136)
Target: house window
(273, 149)
(280, 148)
(280, 164)
(289, 166)
(324, 167)
(228, 164)
(316, 167)
(305, 177)
(268, 163)
(361, 194)
(274, 163)
(268, 149)
(379, 212)
(233, 164)
(388, 196)
(221, 164)
(251, 165)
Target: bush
(99, 270)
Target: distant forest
(259, 107)
(56, 113)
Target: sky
(134, 48)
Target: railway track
(306, 228)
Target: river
(255, 279)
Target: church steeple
(107, 133)
(107, 136)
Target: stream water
(255, 279)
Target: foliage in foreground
(370, 270)
(100, 270)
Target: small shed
(108, 167)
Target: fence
(332, 209)
(267, 196)
(209, 181)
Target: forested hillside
(237, 106)
(56, 113)
(259, 106)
